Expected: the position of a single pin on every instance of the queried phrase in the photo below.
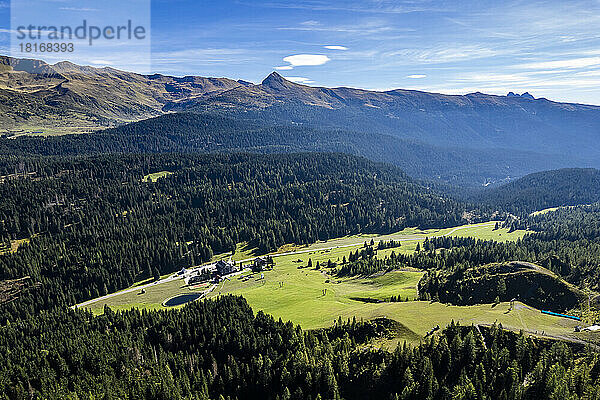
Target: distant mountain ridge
(63, 95)
(541, 190)
(202, 133)
(36, 97)
(114, 96)
(476, 120)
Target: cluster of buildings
(261, 263)
(221, 269)
(225, 267)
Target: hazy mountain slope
(512, 135)
(188, 132)
(65, 94)
(38, 96)
(546, 189)
(475, 120)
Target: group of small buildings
(261, 263)
(214, 271)
(219, 270)
(225, 267)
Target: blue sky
(549, 48)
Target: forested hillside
(496, 282)
(203, 133)
(564, 187)
(464, 270)
(220, 350)
(92, 225)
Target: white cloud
(571, 63)
(589, 73)
(284, 68)
(417, 76)
(298, 79)
(299, 60)
(78, 9)
(336, 47)
(101, 62)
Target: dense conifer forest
(75, 227)
(214, 133)
(462, 271)
(541, 190)
(220, 350)
(93, 226)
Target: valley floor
(315, 299)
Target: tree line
(220, 350)
(92, 225)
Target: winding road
(404, 238)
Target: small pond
(181, 299)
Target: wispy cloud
(299, 79)
(79, 9)
(302, 60)
(440, 54)
(588, 73)
(363, 27)
(417, 76)
(336, 47)
(572, 63)
(208, 56)
(357, 6)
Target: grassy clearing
(321, 252)
(243, 252)
(544, 211)
(487, 232)
(314, 299)
(552, 209)
(151, 300)
(14, 245)
(156, 176)
(483, 230)
(301, 300)
(298, 295)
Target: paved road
(132, 289)
(147, 285)
(405, 238)
(564, 338)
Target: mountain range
(509, 135)
(36, 96)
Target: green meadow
(304, 280)
(315, 298)
(155, 176)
